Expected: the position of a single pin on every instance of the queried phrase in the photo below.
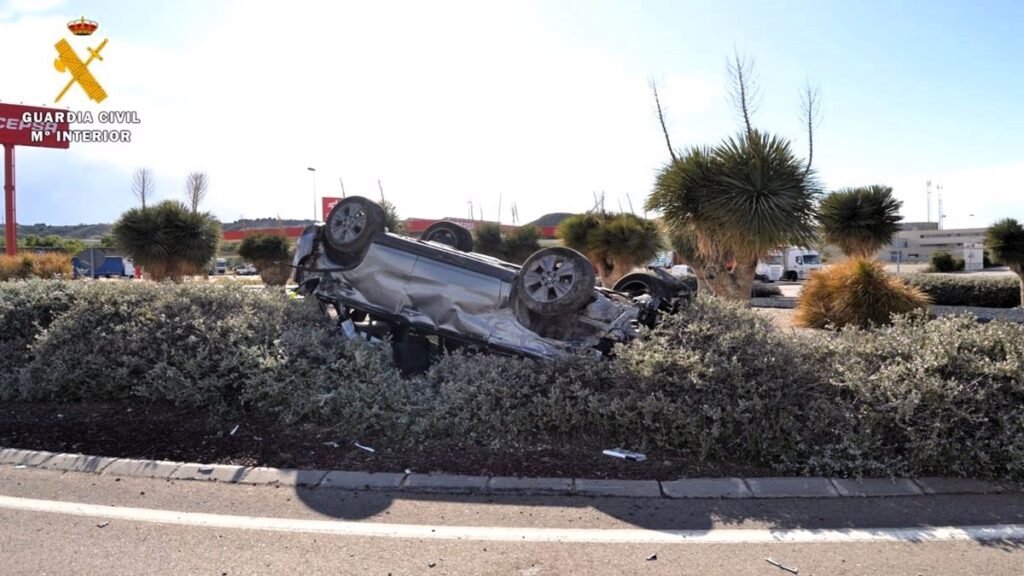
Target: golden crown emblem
(82, 27)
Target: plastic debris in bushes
(625, 454)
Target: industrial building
(917, 241)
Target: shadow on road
(704, 514)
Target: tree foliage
(739, 199)
(514, 246)
(142, 185)
(271, 254)
(168, 240)
(196, 186)
(487, 239)
(860, 220)
(391, 219)
(614, 243)
(1005, 240)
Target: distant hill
(79, 231)
(247, 223)
(95, 231)
(553, 219)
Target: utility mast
(938, 188)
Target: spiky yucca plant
(614, 243)
(487, 240)
(521, 242)
(1005, 240)
(737, 201)
(168, 240)
(860, 220)
(857, 292)
(271, 254)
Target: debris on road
(206, 469)
(332, 444)
(782, 566)
(367, 448)
(103, 524)
(233, 430)
(652, 557)
(19, 466)
(625, 454)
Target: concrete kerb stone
(809, 487)
(707, 488)
(446, 483)
(935, 485)
(283, 476)
(77, 463)
(619, 488)
(14, 456)
(864, 487)
(210, 472)
(131, 467)
(531, 486)
(351, 480)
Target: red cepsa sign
(328, 205)
(32, 126)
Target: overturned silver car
(435, 294)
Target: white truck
(791, 263)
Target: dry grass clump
(856, 293)
(23, 266)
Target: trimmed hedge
(943, 396)
(963, 290)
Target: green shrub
(944, 262)
(963, 290)
(855, 293)
(716, 381)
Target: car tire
(450, 234)
(555, 281)
(639, 283)
(351, 226)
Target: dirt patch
(136, 430)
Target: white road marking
(513, 534)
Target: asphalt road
(74, 523)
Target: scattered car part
(625, 454)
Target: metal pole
(313, 170)
(9, 211)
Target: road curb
(692, 488)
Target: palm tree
(168, 240)
(271, 254)
(738, 200)
(1005, 241)
(615, 244)
(860, 220)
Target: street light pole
(313, 170)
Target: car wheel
(352, 224)
(555, 281)
(639, 283)
(451, 234)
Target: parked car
(427, 295)
(245, 270)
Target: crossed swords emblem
(68, 61)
